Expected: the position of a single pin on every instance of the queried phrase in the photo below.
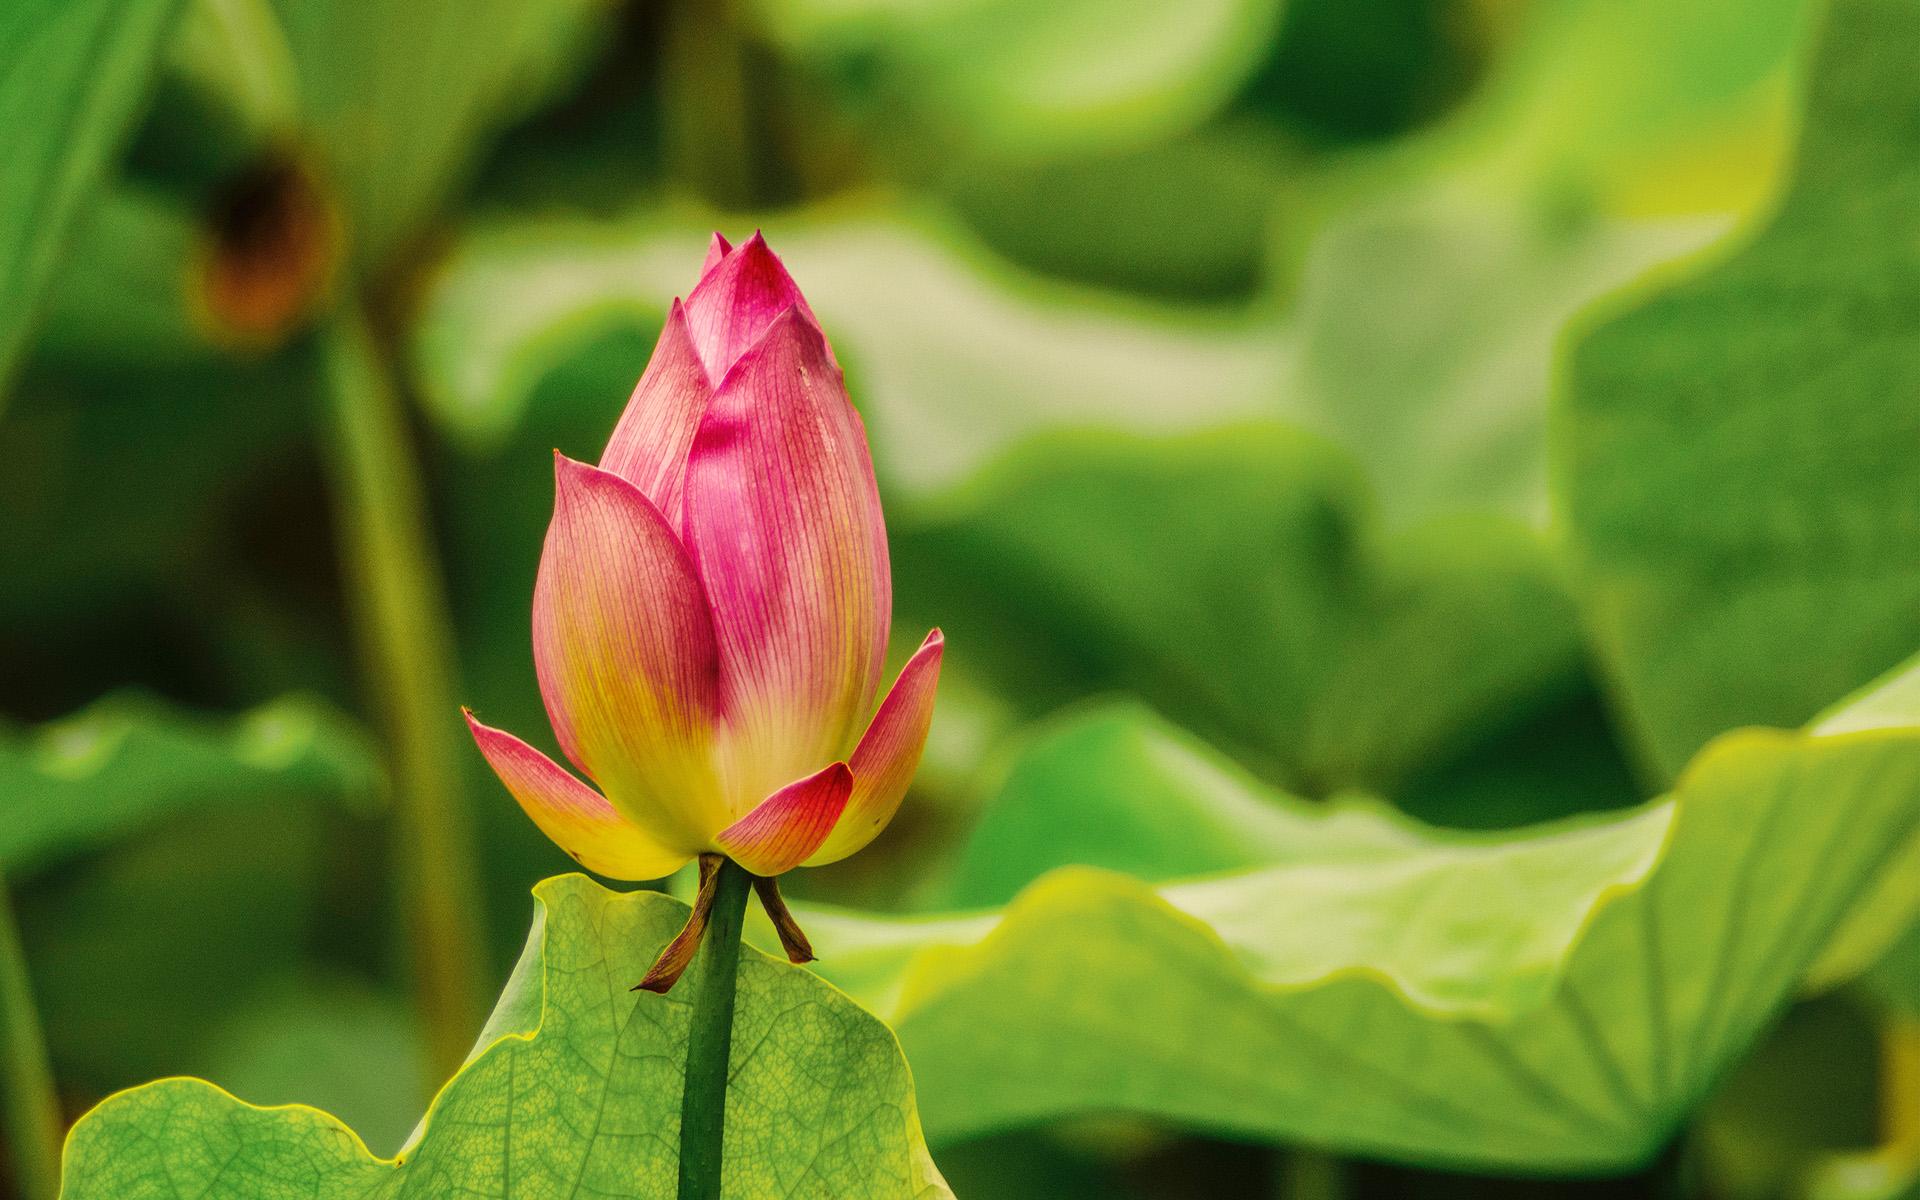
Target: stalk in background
(28, 1103)
(400, 611)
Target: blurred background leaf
(398, 93)
(73, 76)
(103, 775)
(1731, 438)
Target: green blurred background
(1206, 347)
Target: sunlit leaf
(1554, 998)
(1734, 443)
(73, 75)
(575, 1087)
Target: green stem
(31, 1108)
(403, 628)
(703, 1103)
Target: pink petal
(649, 446)
(785, 529)
(624, 648)
(717, 249)
(787, 826)
(736, 302)
(575, 816)
(888, 754)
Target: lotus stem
(703, 1102)
(28, 1103)
(403, 627)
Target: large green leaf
(1237, 579)
(575, 1088)
(130, 761)
(1005, 78)
(73, 74)
(1554, 998)
(950, 357)
(1733, 447)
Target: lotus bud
(711, 613)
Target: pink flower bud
(711, 614)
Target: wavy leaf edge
(546, 895)
(946, 964)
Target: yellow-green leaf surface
(950, 356)
(574, 1090)
(1551, 998)
(73, 75)
(1734, 442)
(130, 761)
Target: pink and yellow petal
(786, 533)
(788, 826)
(624, 648)
(573, 815)
(888, 754)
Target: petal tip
(570, 473)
